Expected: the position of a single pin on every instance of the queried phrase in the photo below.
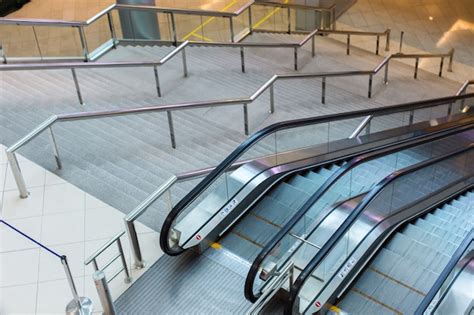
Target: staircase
(121, 160)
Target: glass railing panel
(97, 33)
(241, 24)
(262, 17)
(215, 29)
(302, 137)
(19, 41)
(59, 41)
(189, 27)
(407, 189)
(140, 25)
(343, 129)
(452, 297)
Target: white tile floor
(68, 221)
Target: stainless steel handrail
(80, 25)
(110, 64)
(93, 258)
(182, 106)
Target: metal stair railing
(48, 123)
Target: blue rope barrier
(31, 239)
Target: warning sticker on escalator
(227, 209)
(347, 267)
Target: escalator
(422, 247)
(405, 267)
(295, 171)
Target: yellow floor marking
(207, 39)
(335, 309)
(216, 245)
(209, 20)
(269, 15)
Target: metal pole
(85, 49)
(272, 99)
(78, 89)
(289, 20)
(16, 171)
(246, 120)
(55, 148)
(348, 49)
(78, 305)
(296, 58)
(112, 28)
(171, 126)
(2, 54)
(313, 46)
(450, 65)
(323, 93)
(385, 78)
(173, 27)
(333, 18)
(417, 60)
(250, 20)
(377, 45)
(231, 24)
(157, 80)
(412, 116)
(128, 279)
(185, 63)
(242, 59)
(103, 292)
(401, 41)
(369, 94)
(387, 43)
(138, 263)
(37, 43)
(441, 67)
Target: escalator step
(289, 195)
(273, 210)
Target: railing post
(173, 28)
(16, 171)
(377, 45)
(78, 305)
(2, 54)
(246, 120)
(323, 91)
(313, 46)
(385, 78)
(37, 43)
(231, 25)
(417, 60)
(76, 84)
(441, 67)
(171, 127)
(450, 65)
(348, 44)
(128, 279)
(296, 58)
(157, 80)
(412, 116)
(185, 63)
(401, 41)
(85, 49)
(387, 42)
(272, 99)
(55, 148)
(333, 18)
(250, 20)
(367, 128)
(369, 94)
(103, 292)
(112, 28)
(138, 261)
(289, 20)
(242, 59)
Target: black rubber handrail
(332, 180)
(458, 254)
(263, 133)
(353, 216)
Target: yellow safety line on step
(209, 20)
(266, 17)
(207, 39)
(335, 309)
(216, 245)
